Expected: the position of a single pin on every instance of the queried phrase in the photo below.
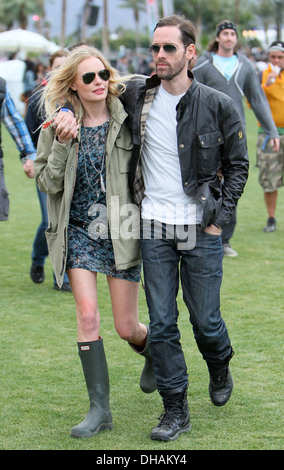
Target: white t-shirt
(165, 199)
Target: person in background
(17, 129)
(122, 64)
(222, 67)
(40, 72)
(86, 181)
(270, 163)
(30, 82)
(34, 118)
(30, 78)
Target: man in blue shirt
(223, 68)
(17, 128)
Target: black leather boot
(221, 382)
(147, 379)
(95, 370)
(175, 418)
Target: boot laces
(219, 374)
(220, 377)
(173, 409)
(167, 417)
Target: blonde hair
(58, 89)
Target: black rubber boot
(147, 379)
(175, 418)
(95, 370)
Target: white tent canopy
(13, 72)
(22, 40)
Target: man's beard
(170, 72)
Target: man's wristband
(216, 225)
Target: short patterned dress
(89, 241)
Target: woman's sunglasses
(89, 77)
(168, 49)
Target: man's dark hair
(185, 26)
(224, 24)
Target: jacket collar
(117, 111)
(154, 81)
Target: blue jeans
(200, 272)
(40, 249)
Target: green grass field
(42, 391)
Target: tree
(205, 15)
(63, 23)
(105, 31)
(265, 11)
(136, 6)
(19, 10)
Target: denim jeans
(200, 272)
(40, 249)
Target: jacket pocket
(209, 151)
(211, 200)
(125, 147)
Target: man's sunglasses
(168, 49)
(89, 77)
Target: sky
(116, 16)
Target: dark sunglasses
(168, 49)
(90, 76)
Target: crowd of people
(169, 147)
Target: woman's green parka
(55, 173)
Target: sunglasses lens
(154, 49)
(104, 74)
(170, 48)
(88, 77)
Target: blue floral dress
(89, 241)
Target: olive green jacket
(55, 172)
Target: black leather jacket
(210, 138)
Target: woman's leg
(84, 288)
(124, 299)
(91, 352)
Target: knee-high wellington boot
(95, 370)
(147, 379)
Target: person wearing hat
(271, 164)
(224, 68)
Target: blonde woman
(82, 177)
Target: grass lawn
(42, 391)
